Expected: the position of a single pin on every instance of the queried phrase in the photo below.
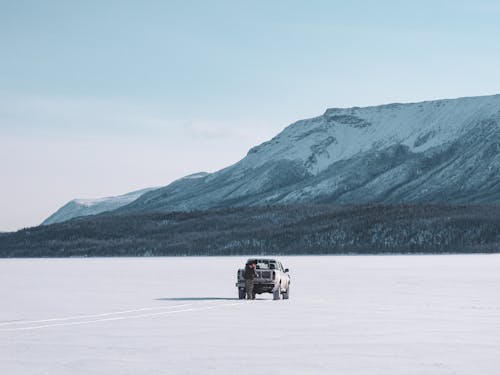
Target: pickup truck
(271, 278)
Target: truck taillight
(274, 275)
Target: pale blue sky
(99, 98)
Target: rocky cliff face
(444, 151)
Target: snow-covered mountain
(85, 207)
(443, 151)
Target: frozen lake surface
(346, 315)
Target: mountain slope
(444, 151)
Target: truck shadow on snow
(198, 299)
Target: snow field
(346, 315)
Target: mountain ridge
(436, 151)
(439, 151)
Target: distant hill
(86, 207)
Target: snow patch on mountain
(195, 175)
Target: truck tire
(277, 293)
(241, 293)
(287, 293)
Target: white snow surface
(347, 315)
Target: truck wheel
(276, 294)
(241, 293)
(287, 293)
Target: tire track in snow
(116, 318)
(18, 322)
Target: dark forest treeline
(299, 229)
